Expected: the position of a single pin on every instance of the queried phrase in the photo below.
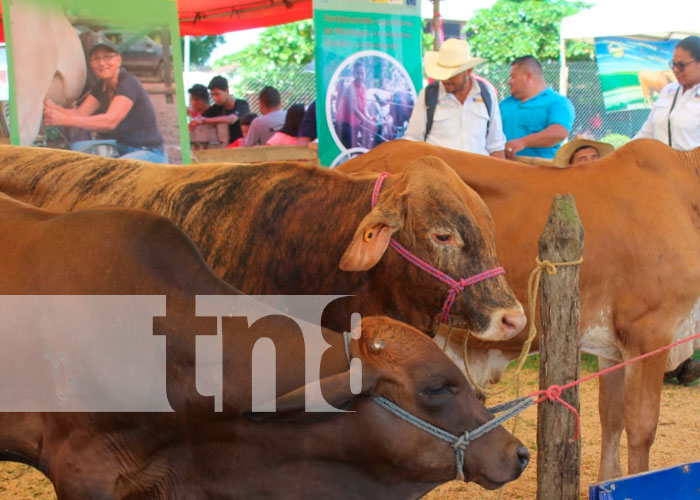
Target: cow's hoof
(690, 372)
(669, 376)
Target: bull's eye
(444, 238)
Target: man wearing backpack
(458, 110)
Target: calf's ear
(372, 235)
(335, 390)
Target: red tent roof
(213, 17)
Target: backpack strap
(431, 98)
(486, 96)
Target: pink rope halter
(456, 286)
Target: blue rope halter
(459, 443)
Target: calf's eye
(438, 391)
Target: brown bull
(640, 280)
(197, 453)
(288, 228)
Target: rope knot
(458, 286)
(461, 442)
(547, 265)
(553, 392)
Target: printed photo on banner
(369, 101)
(87, 81)
(633, 71)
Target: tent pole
(563, 68)
(436, 25)
(186, 55)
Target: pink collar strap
(456, 286)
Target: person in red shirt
(351, 117)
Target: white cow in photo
(49, 63)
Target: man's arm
(547, 138)
(495, 138)
(215, 120)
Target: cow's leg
(643, 381)
(612, 420)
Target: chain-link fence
(587, 97)
(295, 85)
(298, 86)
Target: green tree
(513, 28)
(279, 49)
(201, 48)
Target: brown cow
(653, 82)
(641, 274)
(289, 228)
(197, 453)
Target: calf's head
(429, 210)
(407, 368)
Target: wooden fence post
(558, 454)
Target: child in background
(290, 129)
(245, 125)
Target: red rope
(553, 392)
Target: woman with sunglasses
(675, 117)
(117, 107)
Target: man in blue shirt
(535, 118)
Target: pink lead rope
(456, 286)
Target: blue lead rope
(459, 443)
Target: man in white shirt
(464, 117)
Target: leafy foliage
(513, 28)
(286, 46)
(201, 47)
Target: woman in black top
(117, 107)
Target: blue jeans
(144, 154)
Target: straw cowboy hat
(563, 154)
(454, 57)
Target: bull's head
(433, 214)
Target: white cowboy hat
(454, 57)
(564, 153)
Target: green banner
(125, 98)
(633, 71)
(368, 71)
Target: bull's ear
(335, 390)
(372, 235)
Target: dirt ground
(166, 114)
(677, 441)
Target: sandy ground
(677, 441)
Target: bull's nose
(523, 457)
(512, 322)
